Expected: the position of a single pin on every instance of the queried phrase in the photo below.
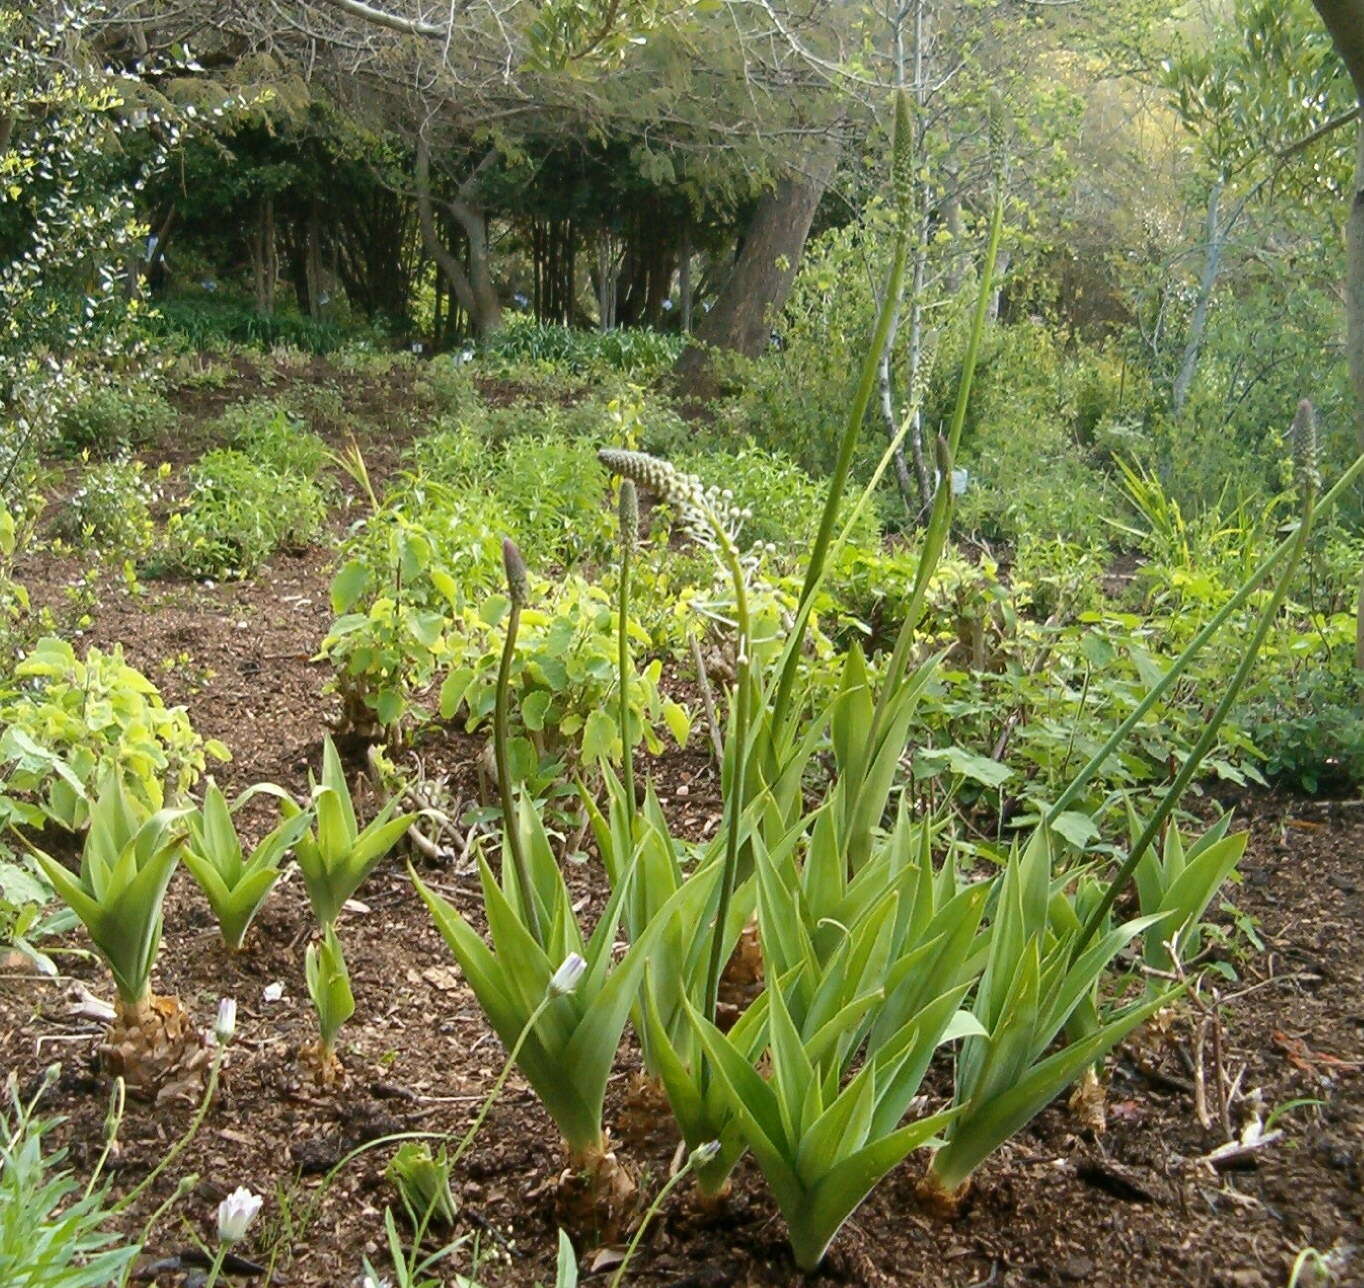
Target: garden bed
(1134, 1206)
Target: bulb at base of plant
(235, 1214)
(568, 976)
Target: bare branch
(412, 26)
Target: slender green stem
(968, 370)
(217, 1267)
(653, 1210)
(852, 429)
(211, 1090)
(183, 1187)
(496, 1090)
(935, 541)
(734, 803)
(940, 522)
(510, 827)
(804, 611)
(1208, 737)
(113, 1119)
(1181, 663)
(623, 668)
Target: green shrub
(237, 514)
(636, 350)
(552, 495)
(454, 454)
(448, 381)
(275, 437)
(564, 676)
(1028, 471)
(110, 419)
(206, 323)
(111, 509)
(1058, 578)
(73, 720)
(1309, 725)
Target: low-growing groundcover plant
(53, 1233)
(71, 720)
(238, 513)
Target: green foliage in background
(238, 513)
(71, 721)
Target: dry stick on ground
(1227, 1087)
(707, 699)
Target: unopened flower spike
(629, 514)
(515, 567)
(1304, 440)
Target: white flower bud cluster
(682, 491)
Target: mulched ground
(1134, 1206)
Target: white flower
(226, 1023)
(236, 1212)
(568, 976)
(703, 1154)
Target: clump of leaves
(235, 885)
(334, 858)
(563, 675)
(112, 419)
(54, 1233)
(77, 719)
(111, 509)
(127, 861)
(238, 513)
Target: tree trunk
(264, 263)
(1344, 19)
(741, 318)
(474, 290)
(1354, 317)
(684, 280)
(313, 263)
(1207, 282)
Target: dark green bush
(1310, 726)
(109, 420)
(238, 513)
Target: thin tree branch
(394, 22)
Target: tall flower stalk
(704, 517)
(629, 538)
(517, 593)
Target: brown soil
(1133, 1207)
